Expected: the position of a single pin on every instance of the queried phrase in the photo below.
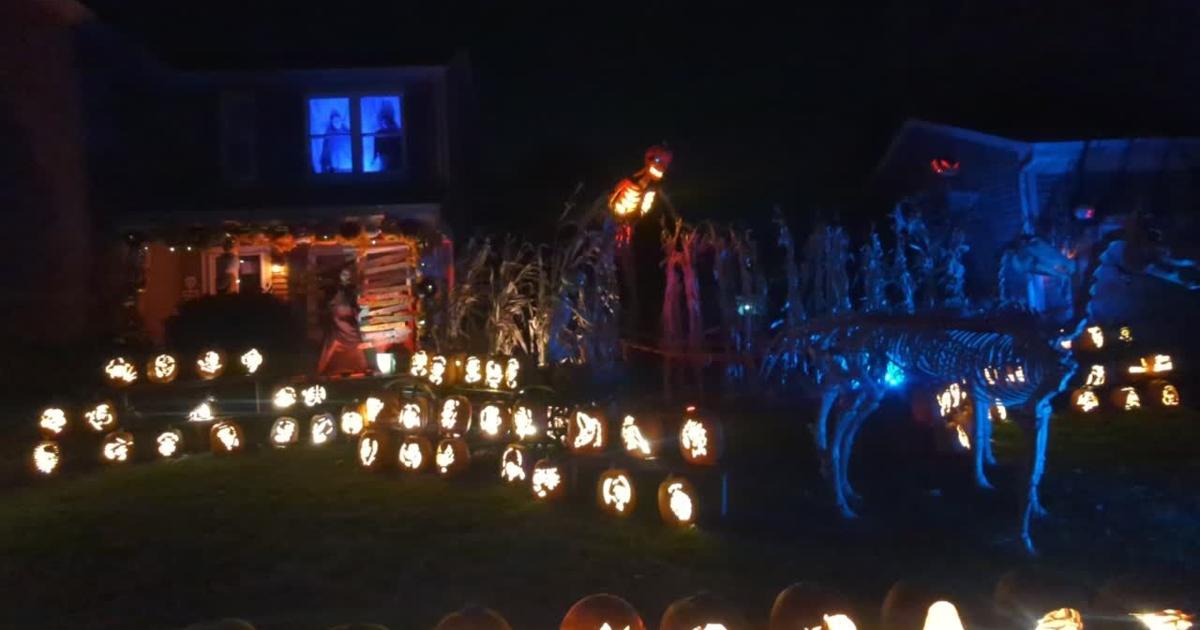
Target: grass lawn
(304, 539)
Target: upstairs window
(356, 134)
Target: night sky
(761, 106)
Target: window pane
(332, 154)
(327, 114)
(329, 126)
(380, 114)
(382, 143)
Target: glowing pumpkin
(1097, 376)
(704, 611)
(1153, 364)
(285, 432)
(120, 372)
(313, 395)
(379, 406)
(285, 397)
(558, 423)
(602, 612)
(441, 371)
(351, 421)
(1125, 334)
(1085, 400)
(546, 481)
(952, 400)
(415, 453)
(322, 428)
(1092, 339)
(47, 457)
(493, 375)
(472, 370)
(512, 464)
(640, 436)
(1168, 619)
(805, 606)
(1126, 398)
(1163, 393)
(454, 416)
(491, 420)
(942, 616)
(413, 415)
(226, 437)
(1061, 619)
(53, 422)
(372, 449)
(101, 417)
(251, 360)
(699, 439)
(473, 618)
(961, 437)
(512, 373)
(526, 421)
(117, 447)
(202, 412)
(418, 364)
(588, 432)
(678, 502)
(169, 443)
(452, 456)
(615, 493)
(211, 364)
(162, 369)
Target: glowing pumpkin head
(558, 423)
(640, 436)
(678, 502)
(117, 447)
(285, 432)
(491, 420)
(285, 397)
(379, 407)
(1061, 619)
(493, 375)
(210, 364)
(546, 480)
(415, 453)
(413, 415)
(588, 432)
(512, 373)
(1085, 400)
(120, 372)
(602, 612)
(473, 618)
(1091, 340)
(372, 450)
(203, 412)
(1125, 334)
(351, 421)
(53, 422)
(527, 421)
(805, 605)
(440, 372)
(1097, 376)
(699, 438)
(251, 361)
(625, 201)
(322, 429)
(162, 369)
(1169, 619)
(513, 464)
(313, 395)
(615, 492)
(47, 458)
(169, 443)
(1153, 364)
(704, 611)
(1163, 393)
(472, 370)
(101, 417)
(451, 457)
(943, 616)
(226, 437)
(454, 416)
(1126, 398)
(951, 401)
(418, 364)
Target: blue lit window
(356, 134)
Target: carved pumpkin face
(439, 373)
(351, 421)
(285, 432)
(226, 437)
(699, 439)
(639, 437)
(491, 420)
(615, 492)
(120, 372)
(47, 457)
(162, 368)
(943, 616)
(703, 611)
(313, 395)
(1085, 400)
(418, 364)
(473, 370)
(1061, 619)
(452, 457)
(525, 420)
(210, 364)
(512, 464)
(558, 423)
(512, 373)
(117, 447)
(1162, 393)
(1097, 376)
(547, 480)
(678, 503)
(101, 417)
(371, 448)
(169, 443)
(285, 397)
(1153, 364)
(53, 422)
(602, 611)
(588, 432)
(322, 429)
(379, 406)
(414, 454)
(807, 605)
(412, 415)
(1165, 620)
(202, 412)
(1126, 398)
(251, 360)
(454, 416)
(494, 373)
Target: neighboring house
(201, 182)
(997, 189)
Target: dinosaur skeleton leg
(828, 397)
(873, 397)
(985, 444)
(1037, 466)
(842, 425)
(979, 439)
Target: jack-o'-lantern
(454, 416)
(210, 364)
(1061, 619)
(558, 423)
(1097, 376)
(472, 370)
(418, 364)
(120, 372)
(1092, 339)
(473, 618)
(1126, 398)
(285, 432)
(379, 407)
(1153, 364)
(415, 453)
(117, 447)
(351, 421)
(203, 412)
(704, 611)
(226, 437)
(47, 458)
(451, 457)
(313, 395)
(162, 369)
(491, 420)
(441, 370)
(547, 479)
(512, 373)
(961, 438)
(512, 464)
(640, 436)
(997, 412)
(1168, 619)
(53, 422)
(1162, 393)
(700, 438)
(169, 443)
(251, 360)
(1085, 400)
(615, 492)
(527, 420)
(587, 433)
(322, 428)
(951, 401)
(602, 611)
(101, 416)
(678, 502)
(413, 415)
(493, 373)
(285, 397)
(372, 449)
(805, 605)
(942, 615)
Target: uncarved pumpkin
(473, 618)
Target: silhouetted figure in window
(335, 146)
(389, 144)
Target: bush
(234, 323)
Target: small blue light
(894, 376)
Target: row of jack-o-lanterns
(953, 401)
(471, 370)
(801, 606)
(164, 367)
